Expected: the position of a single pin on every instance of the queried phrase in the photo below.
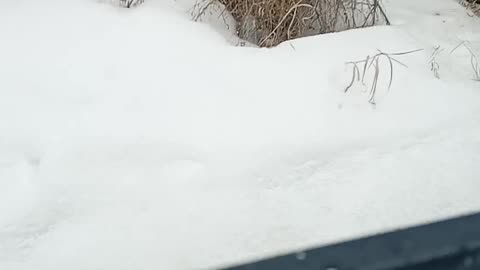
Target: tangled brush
(130, 3)
(474, 6)
(270, 22)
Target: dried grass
(130, 3)
(362, 67)
(472, 5)
(475, 64)
(270, 22)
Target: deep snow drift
(138, 139)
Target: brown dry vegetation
(474, 5)
(471, 5)
(269, 22)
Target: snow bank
(140, 139)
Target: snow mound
(139, 139)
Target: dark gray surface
(447, 245)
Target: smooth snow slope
(137, 139)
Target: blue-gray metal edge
(452, 244)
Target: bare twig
(434, 66)
(473, 59)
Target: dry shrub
(269, 22)
(472, 5)
(130, 3)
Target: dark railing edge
(454, 241)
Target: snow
(138, 139)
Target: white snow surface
(139, 139)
